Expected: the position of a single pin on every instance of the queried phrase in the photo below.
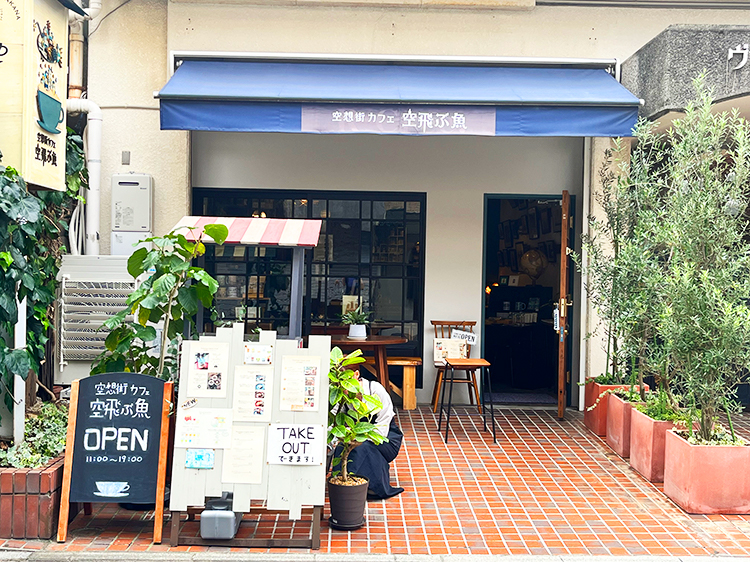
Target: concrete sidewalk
(62, 556)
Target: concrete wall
(455, 172)
(127, 63)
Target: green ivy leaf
(25, 210)
(18, 362)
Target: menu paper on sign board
(256, 354)
(243, 461)
(116, 448)
(300, 444)
(300, 384)
(208, 366)
(204, 428)
(253, 388)
(448, 348)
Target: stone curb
(10, 555)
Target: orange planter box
(707, 478)
(618, 425)
(596, 419)
(647, 441)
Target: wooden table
(377, 345)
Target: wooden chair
(443, 329)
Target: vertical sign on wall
(33, 89)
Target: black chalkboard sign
(117, 436)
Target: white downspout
(94, 164)
(93, 128)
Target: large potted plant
(349, 425)
(620, 270)
(168, 297)
(357, 321)
(700, 175)
(649, 424)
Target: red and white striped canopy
(255, 231)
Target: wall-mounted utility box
(132, 197)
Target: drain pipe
(94, 165)
(93, 132)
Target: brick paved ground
(547, 487)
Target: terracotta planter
(30, 501)
(707, 478)
(647, 439)
(596, 419)
(618, 425)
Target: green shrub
(44, 438)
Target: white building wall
(455, 172)
(129, 59)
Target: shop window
(369, 253)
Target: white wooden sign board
(242, 467)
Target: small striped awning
(256, 231)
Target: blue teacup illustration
(51, 113)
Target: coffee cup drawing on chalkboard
(112, 489)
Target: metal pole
(295, 306)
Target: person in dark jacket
(373, 461)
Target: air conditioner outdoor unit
(92, 289)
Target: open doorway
(522, 287)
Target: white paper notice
(243, 461)
(208, 366)
(296, 444)
(204, 428)
(300, 384)
(256, 354)
(253, 386)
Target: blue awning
(383, 98)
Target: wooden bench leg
(436, 391)
(409, 387)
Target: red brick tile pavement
(548, 487)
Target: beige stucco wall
(129, 59)
(455, 172)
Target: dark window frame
(257, 200)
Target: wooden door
(562, 307)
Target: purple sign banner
(399, 119)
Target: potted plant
(357, 320)
(683, 286)
(349, 412)
(619, 410)
(166, 299)
(649, 424)
(31, 475)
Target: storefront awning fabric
(256, 231)
(388, 98)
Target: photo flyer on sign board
(253, 393)
(207, 369)
(300, 384)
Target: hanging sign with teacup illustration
(33, 87)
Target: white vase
(357, 331)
